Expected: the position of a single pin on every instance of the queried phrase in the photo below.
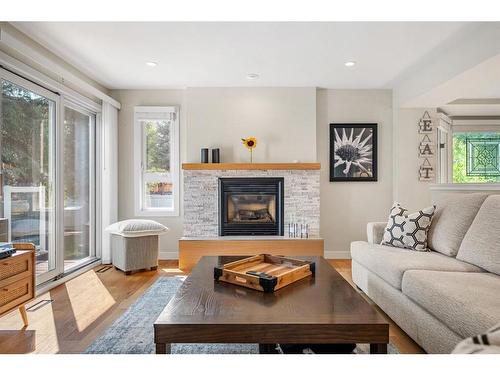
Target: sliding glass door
(79, 176)
(27, 147)
(47, 175)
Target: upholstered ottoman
(134, 253)
(134, 244)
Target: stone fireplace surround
(201, 184)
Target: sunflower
(250, 142)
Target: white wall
(408, 190)
(346, 207)
(129, 99)
(290, 123)
(282, 119)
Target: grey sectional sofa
(442, 296)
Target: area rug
(132, 333)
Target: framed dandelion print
(353, 152)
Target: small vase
(215, 155)
(204, 155)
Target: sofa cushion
(481, 244)
(390, 263)
(467, 302)
(453, 217)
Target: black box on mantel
(204, 155)
(215, 155)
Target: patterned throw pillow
(408, 231)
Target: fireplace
(251, 206)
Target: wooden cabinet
(17, 280)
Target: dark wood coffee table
(324, 309)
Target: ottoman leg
(128, 273)
(154, 268)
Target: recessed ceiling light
(151, 63)
(252, 76)
(350, 64)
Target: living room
(235, 185)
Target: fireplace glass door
(251, 206)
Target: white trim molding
(168, 255)
(464, 187)
(108, 168)
(337, 255)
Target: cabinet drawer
(15, 265)
(14, 294)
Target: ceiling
(223, 54)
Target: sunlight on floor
(39, 329)
(172, 270)
(78, 295)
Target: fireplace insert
(251, 206)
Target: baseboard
(168, 255)
(337, 254)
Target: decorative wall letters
(426, 172)
(425, 124)
(426, 148)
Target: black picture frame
(351, 131)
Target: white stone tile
(201, 194)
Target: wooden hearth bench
(191, 249)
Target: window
(476, 157)
(156, 154)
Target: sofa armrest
(375, 232)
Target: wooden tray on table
(264, 272)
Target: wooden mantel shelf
(251, 166)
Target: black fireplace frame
(249, 185)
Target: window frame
(444, 163)
(55, 247)
(94, 178)
(159, 113)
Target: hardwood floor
(68, 318)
